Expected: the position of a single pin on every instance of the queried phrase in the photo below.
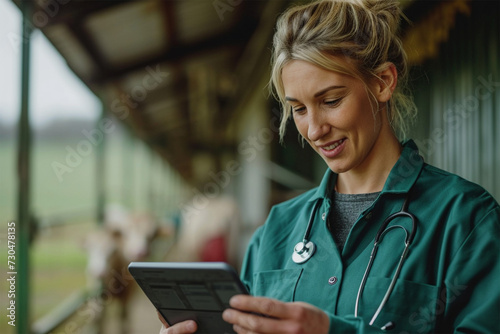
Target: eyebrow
(321, 92)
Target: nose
(318, 125)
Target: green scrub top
(449, 282)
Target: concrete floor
(142, 319)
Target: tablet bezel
(178, 276)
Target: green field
(64, 206)
(57, 259)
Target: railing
(62, 312)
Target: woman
(338, 70)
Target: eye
(333, 103)
(299, 109)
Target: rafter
(235, 35)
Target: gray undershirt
(344, 212)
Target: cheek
(358, 118)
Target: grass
(57, 261)
(56, 258)
(57, 270)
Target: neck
(370, 176)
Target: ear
(386, 82)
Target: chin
(337, 168)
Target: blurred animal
(209, 231)
(107, 271)
(124, 237)
(137, 231)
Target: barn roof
(174, 71)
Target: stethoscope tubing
(391, 286)
(305, 249)
(378, 240)
(305, 239)
(383, 230)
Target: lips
(333, 146)
(333, 149)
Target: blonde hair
(363, 32)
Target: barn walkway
(142, 319)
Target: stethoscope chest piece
(303, 251)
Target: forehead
(302, 77)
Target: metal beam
(168, 8)
(67, 12)
(250, 66)
(62, 312)
(238, 34)
(23, 168)
(101, 170)
(86, 40)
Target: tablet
(190, 290)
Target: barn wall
(458, 96)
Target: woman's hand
(185, 327)
(296, 317)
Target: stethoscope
(305, 249)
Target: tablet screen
(190, 290)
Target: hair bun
(389, 11)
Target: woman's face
(332, 111)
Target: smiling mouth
(333, 146)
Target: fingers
(264, 315)
(257, 315)
(262, 305)
(185, 327)
(252, 323)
